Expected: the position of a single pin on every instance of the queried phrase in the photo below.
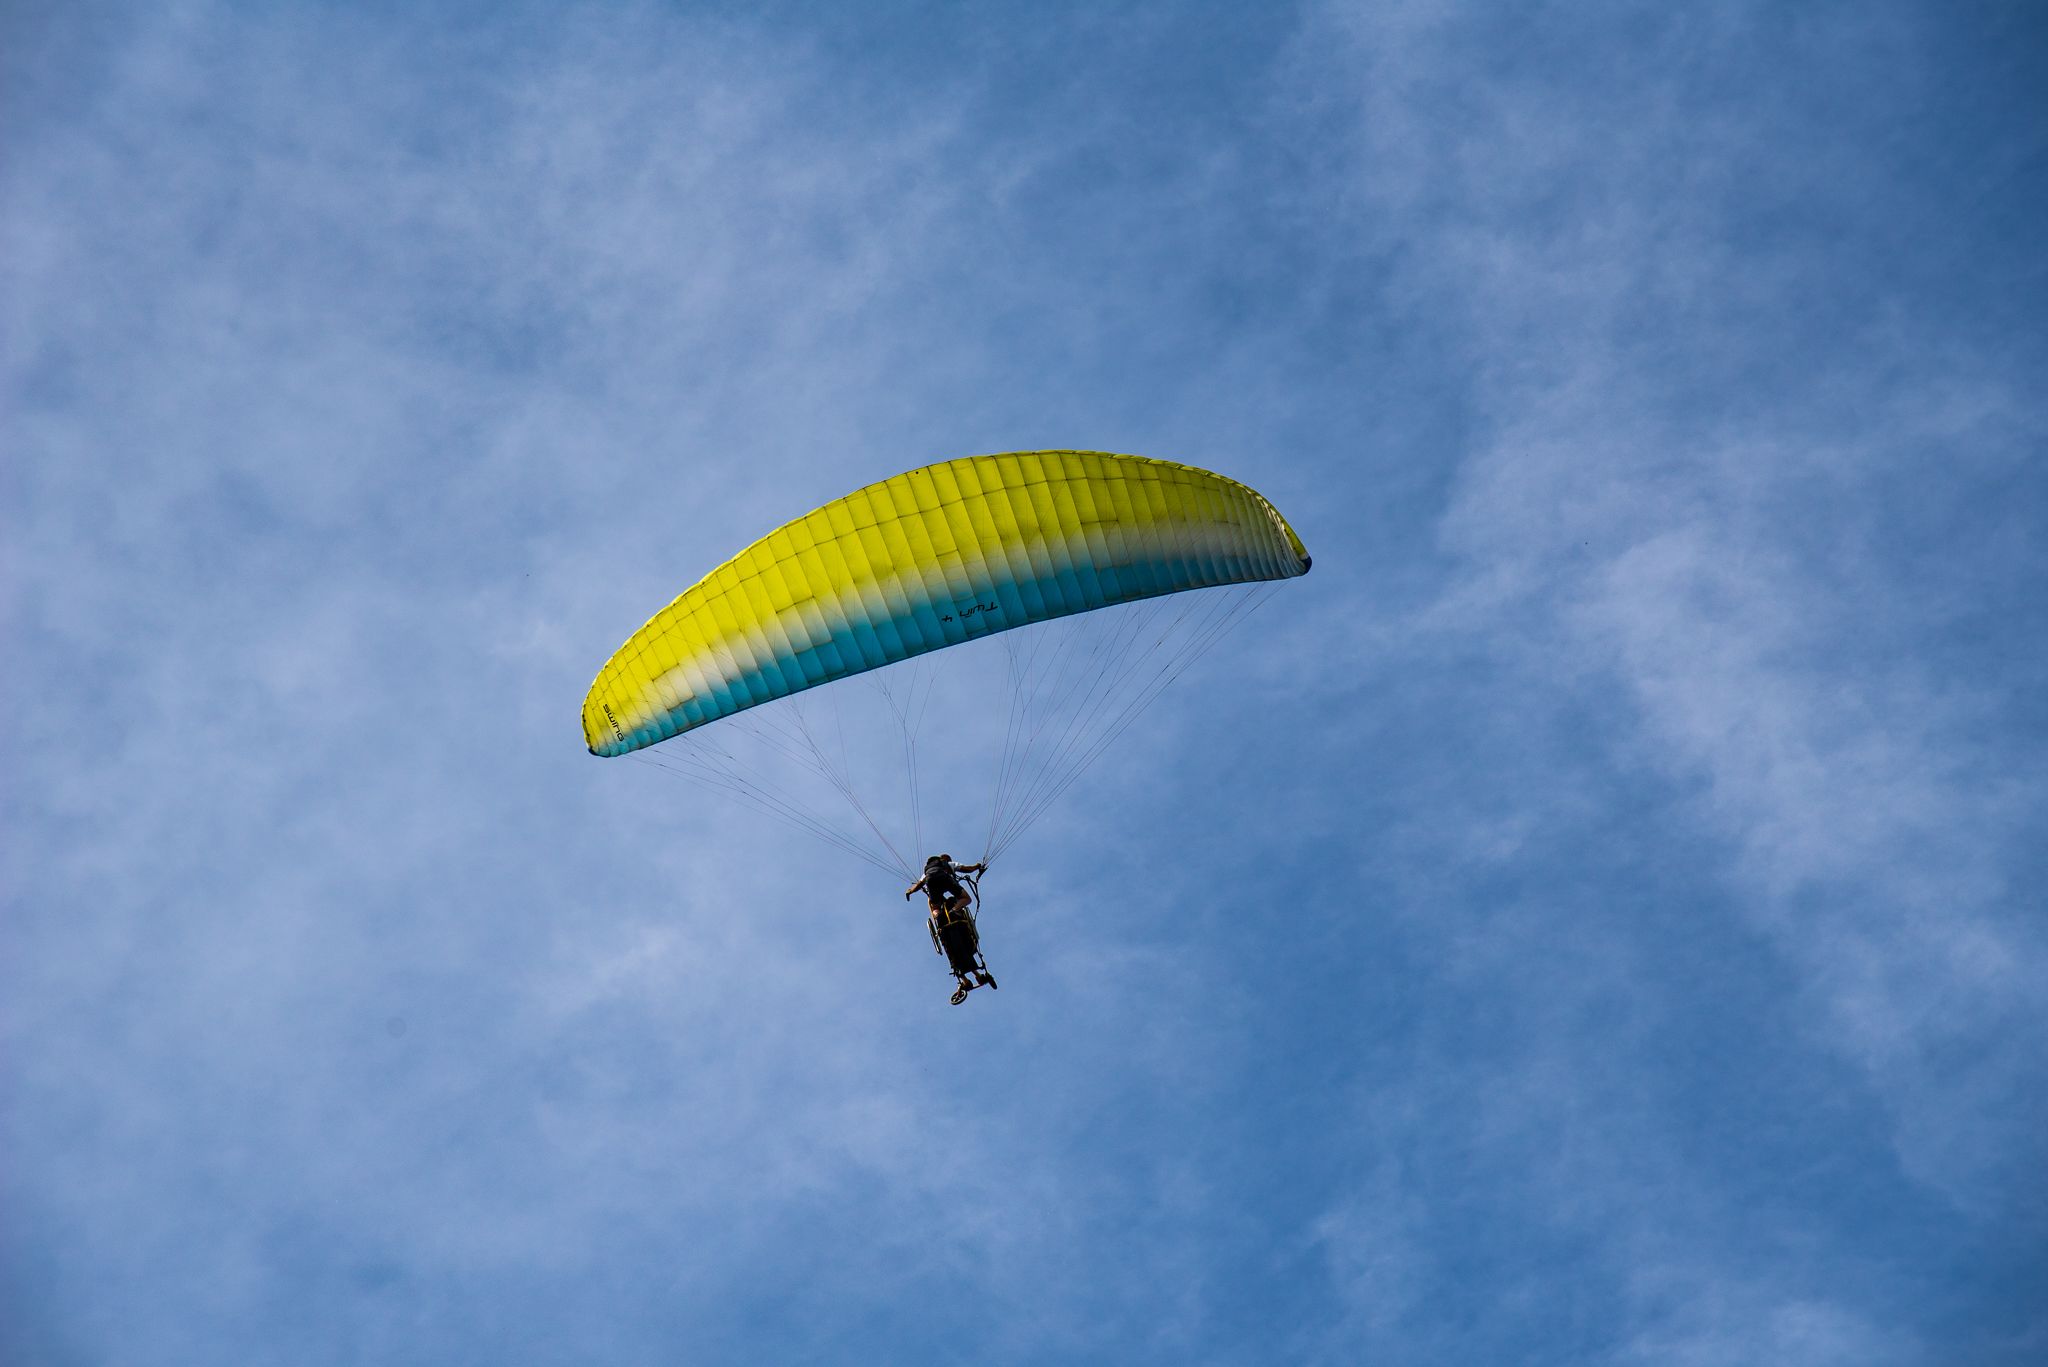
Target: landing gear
(978, 977)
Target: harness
(960, 912)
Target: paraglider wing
(931, 558)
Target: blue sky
(1595, 917)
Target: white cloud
(1706, 1323)
(371, 391)
(1723, 564)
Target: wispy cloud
(1626, 822)
(1700, 445)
